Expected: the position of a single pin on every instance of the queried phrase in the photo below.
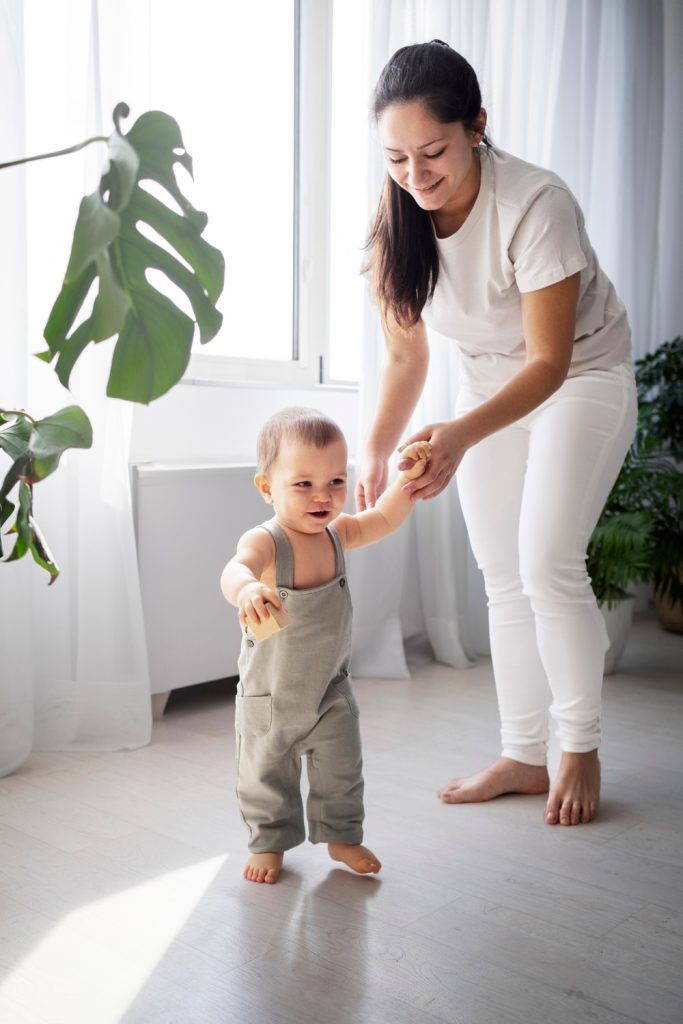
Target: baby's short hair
(295, 423)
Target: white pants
(531, 495)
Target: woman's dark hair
(405, 260)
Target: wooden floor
(121, 896)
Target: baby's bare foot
(263, 867)
(503, 776)
(575, 793)
(356, 857)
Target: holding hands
(447, 449)
(439, 447)
(416, 456)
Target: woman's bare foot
(356, 857)
(263, 867)
(575, 793)
(503, 776)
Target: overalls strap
(284, 559)
(340, 565)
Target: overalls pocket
(343, 688)
(253, 715)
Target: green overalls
(294, 698)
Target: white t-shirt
(525, 231)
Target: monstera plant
(111, 255)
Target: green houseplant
(153, 334)
(639, 537)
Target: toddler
(294, 696)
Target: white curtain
(576, 87)
(73, 661)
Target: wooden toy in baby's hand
(419, 453)
(278, 618)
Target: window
(273, 111)
(348, 190)
(227, 73)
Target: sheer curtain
(73, 662)
(574, 86)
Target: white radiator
(188, 520)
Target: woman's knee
(549, 576)
(502, 581)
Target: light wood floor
(121, 897)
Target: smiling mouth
(431, 188)
(320, 515)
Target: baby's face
(307, 485)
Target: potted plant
(153, 334)
(639, 536)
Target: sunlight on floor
(94, 962)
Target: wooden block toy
(278, 619)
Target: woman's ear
(263, 485)
(479, 127)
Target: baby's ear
(261, 483)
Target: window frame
(311, 235)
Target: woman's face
(432, 161)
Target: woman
(492, 252)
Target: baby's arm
(241, 579)
(392, 507)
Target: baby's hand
(419, 453)
(253, 600)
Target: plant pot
(618, 621)
(670, 616)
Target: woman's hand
(448, 447)
(372, 480)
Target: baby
(288, 579)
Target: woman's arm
(548, 320)
(401, 383)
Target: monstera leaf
(35, 447)
(154, 335)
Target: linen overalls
(294, 698)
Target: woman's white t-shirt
(525, 232)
